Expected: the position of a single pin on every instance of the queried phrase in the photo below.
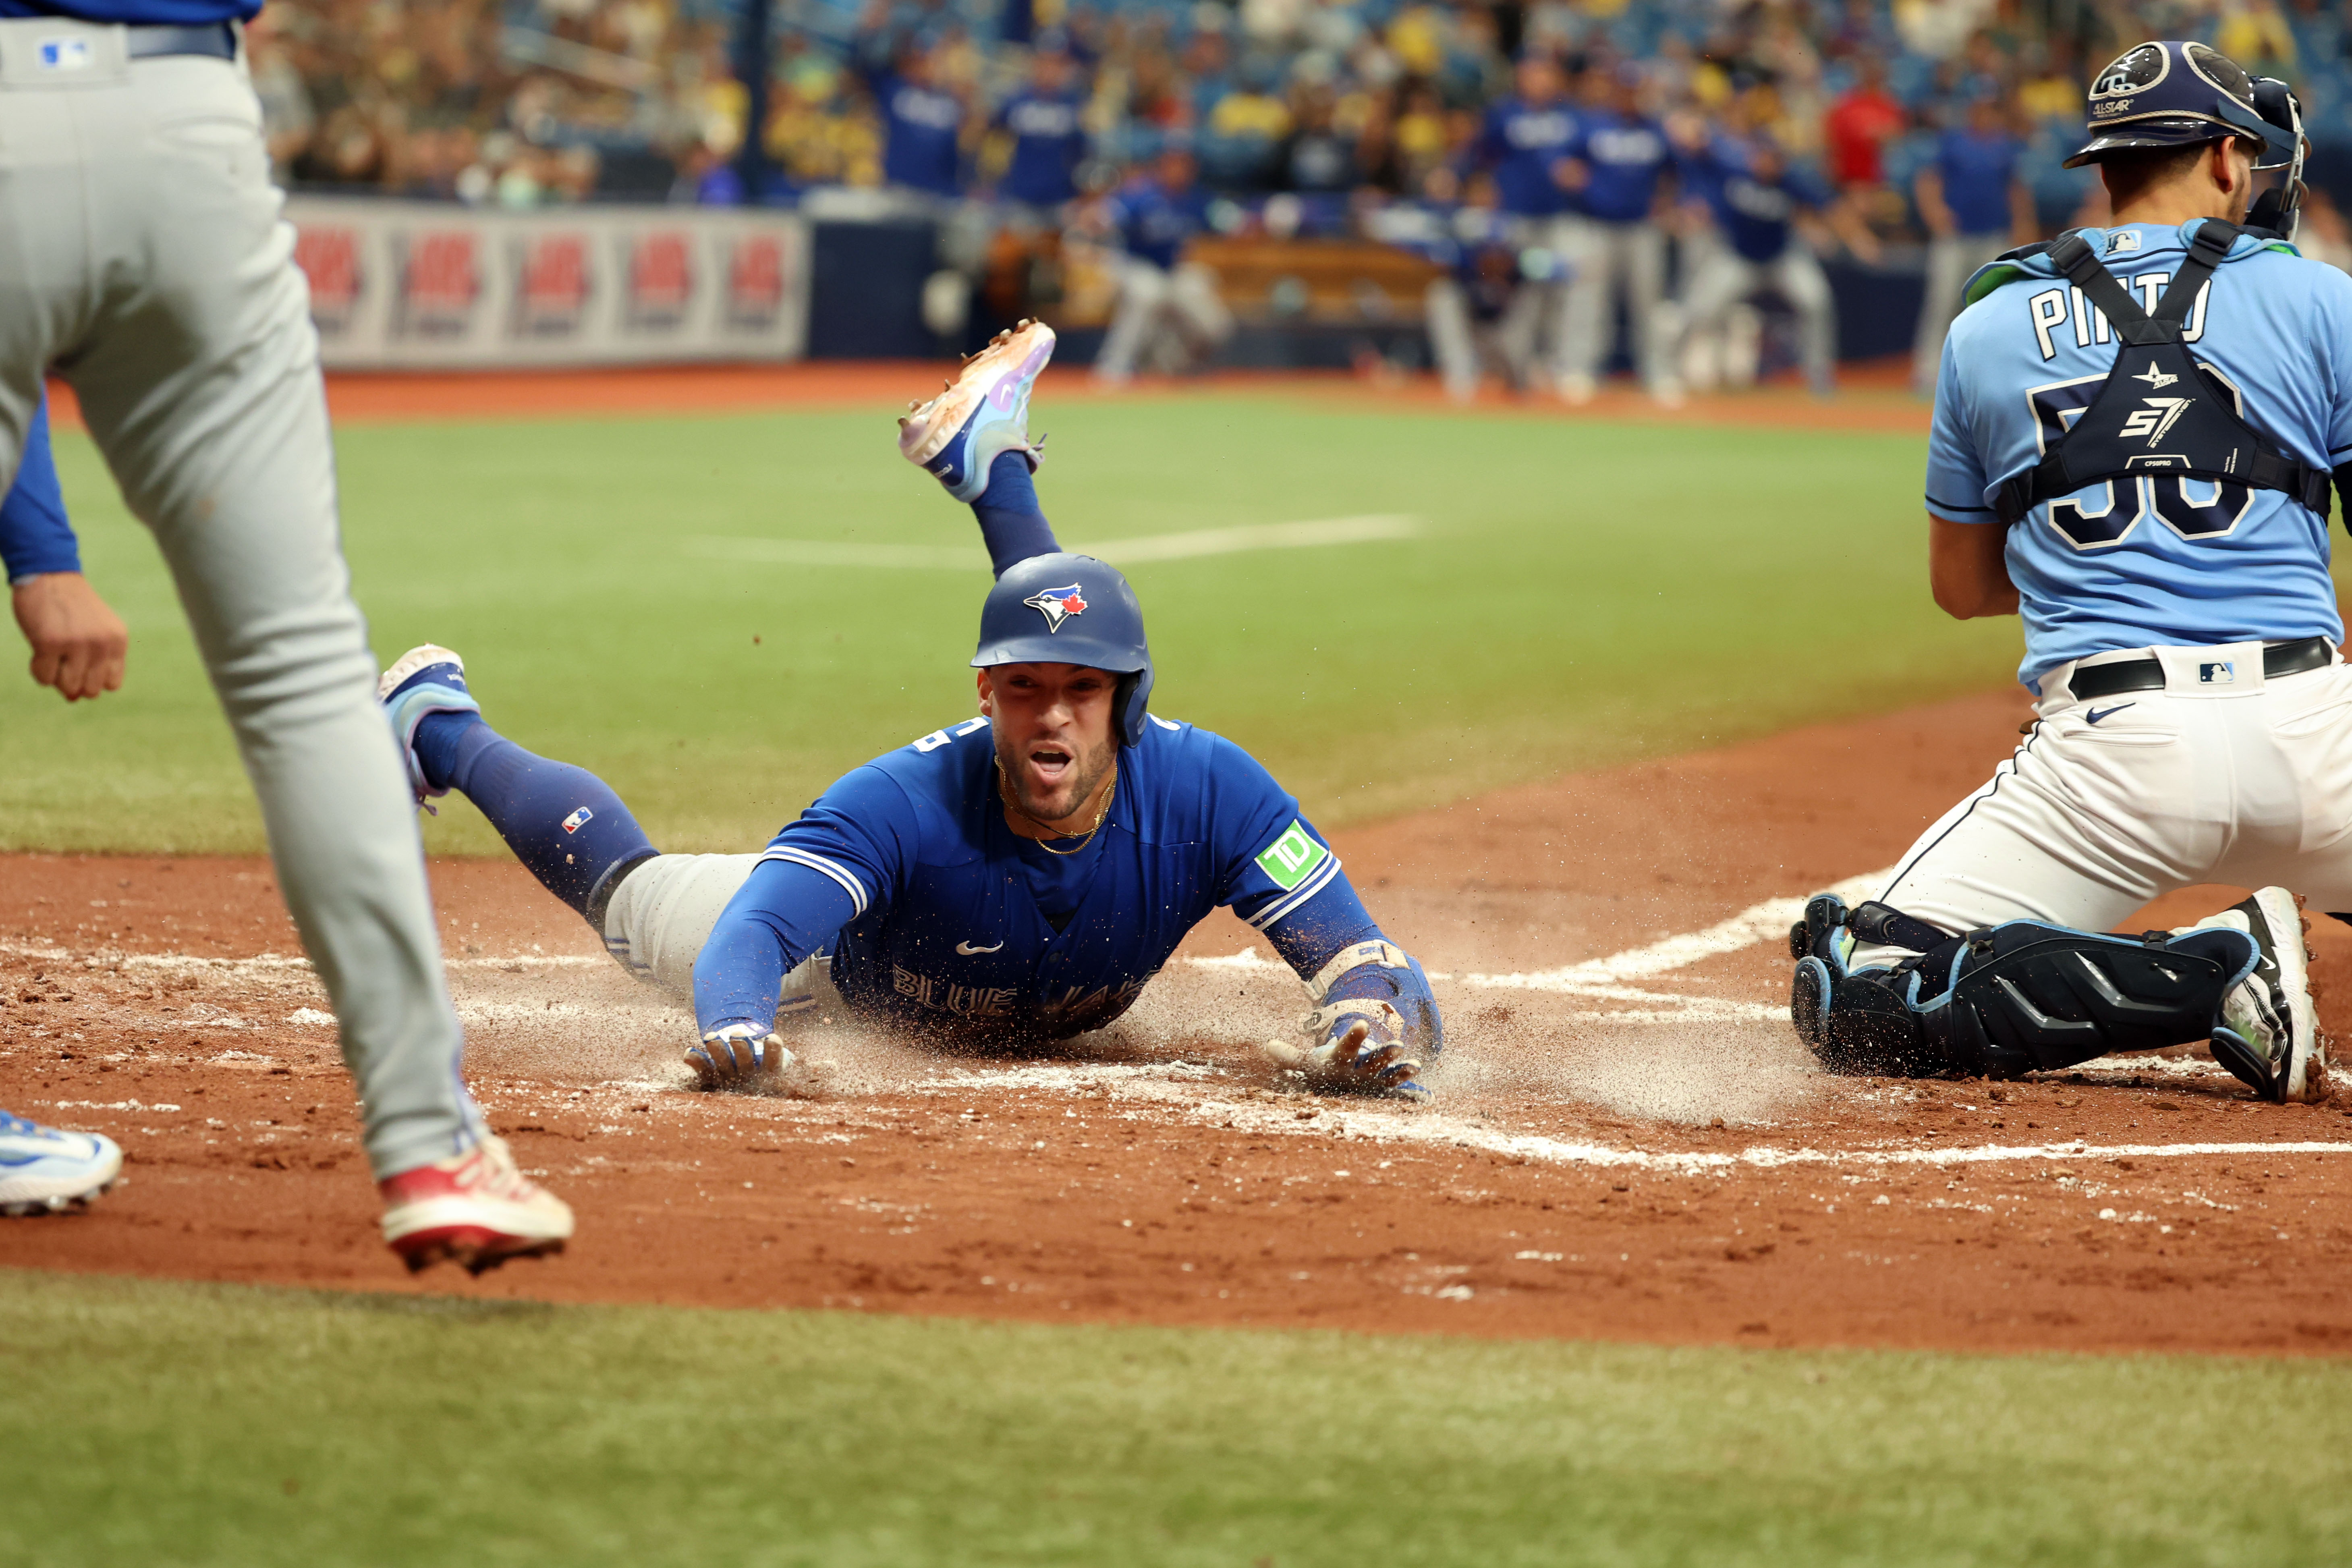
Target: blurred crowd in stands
(1520, 145)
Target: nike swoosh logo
(967, 949)
(2093, 716)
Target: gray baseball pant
(142, 255)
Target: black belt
(217, 41)
(2089, 682)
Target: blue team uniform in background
(1154, 222)
(1754, 214)
(1978, 171)
(139, 13)
(1626, 154)
(1048, 144)
(1520, 143)
(939, 915)
(35, 537)
(2032, 371)
(921, 124)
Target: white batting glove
(1353, 1048)
(741, 1056)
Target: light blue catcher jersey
(955, 928)
(2150, 561)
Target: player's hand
(1571, 173)
(1354, 1059)
(739, 1056)
(78, 643)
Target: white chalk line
(1140, 549)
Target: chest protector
(2158, 412)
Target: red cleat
(474, 1209)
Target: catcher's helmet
(2171, 94)
(1071, 609)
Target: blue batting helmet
(2172, 94)
(1071, 609)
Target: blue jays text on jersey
(938, 915)
(1754, 213)
(1521, 142)
(1625, 156)
(1049, 144)
(2155, 562)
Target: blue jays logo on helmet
(1058, 605)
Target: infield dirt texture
(1588, 701)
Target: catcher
(1012, 879)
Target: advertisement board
(414, 285)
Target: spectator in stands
(1168, 307)
(1758, 199)
(1859, 126)
(1975, 207)
(1526, 145)
(1317, 157)
(1616, 166)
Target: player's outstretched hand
(1350, 1061)
(741, 1055)
(78, 643)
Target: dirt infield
(1628, 1143)
(1872, 397)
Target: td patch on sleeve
(1290, 858)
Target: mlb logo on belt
(578, 819)
(2222, 674)
(65, 54)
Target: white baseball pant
(2221, 776)
(1952, 260)
(1153, 301)
(142, 255)
(1610, 256)
(1723, 278)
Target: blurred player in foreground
(1013, 880)
(147, 260)
(78, 645)
(2131, 449)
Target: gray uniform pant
(1724, 278)
(1155, 303)
(1951, 261)
(142, 254)
(1608, 255)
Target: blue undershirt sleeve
(782, 913)
(35, 537)
(1334, 921)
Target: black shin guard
(2020, 997)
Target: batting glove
(741, 1056)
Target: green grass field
(157, 1424)
(1587, 592)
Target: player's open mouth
(1050, 763)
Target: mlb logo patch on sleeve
(578, 819)
(1290, 858)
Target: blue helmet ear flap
(1130, 704)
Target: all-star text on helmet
(2168, 93)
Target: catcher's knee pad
(2019, 998)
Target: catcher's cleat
(2269, 1034)
(474, 1210)
(983, 414)
(48, 1170)
(425, 680)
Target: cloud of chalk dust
(1511, 1053)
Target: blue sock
(1010, 519)
(562, 823)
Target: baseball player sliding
(1013, 878)
(2133, 435)
(143, 257)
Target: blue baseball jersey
(138, 13)
(920, 128)
(35, 537)
(1154, 222)
(1520, 143)
(1977, 171)
(2151, 561)
(1626, 154)
(1048, 144)
(955, 922)
(1755, 214)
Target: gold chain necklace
(1004, 794)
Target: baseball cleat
(425, 680)
(474, 1210)
(981, 414)
(2269, 1034)
(47, 1170)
